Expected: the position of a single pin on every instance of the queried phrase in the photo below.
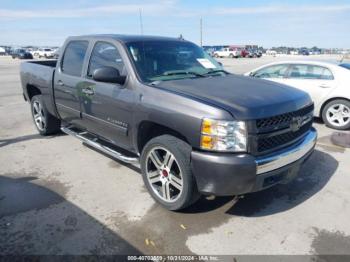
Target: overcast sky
(263, 22)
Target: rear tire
(336, 114)
(166, 172)
(46, 123)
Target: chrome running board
(95, 144)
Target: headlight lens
(227, 136)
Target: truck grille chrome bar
(95, 144)
(288, 155)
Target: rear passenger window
(319, 72)
(310, 72)
(105, 54)
(73, 59)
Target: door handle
(88, 91)
(324, 86)
(60, 83)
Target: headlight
(226, 136)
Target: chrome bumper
(288, 155)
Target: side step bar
(95, 144)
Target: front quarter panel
(180, 113)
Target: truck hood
(244, 97)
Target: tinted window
(73, 58)
(105, 54)
(310, 72)
(170, 60)
(276, 71)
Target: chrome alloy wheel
(39, 117)
(164, 174)
(338, 115)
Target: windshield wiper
(216, 71)
(172, 73)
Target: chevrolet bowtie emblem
(296, 123)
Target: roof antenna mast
(141, 23)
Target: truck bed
(51, 63)
(40, 75)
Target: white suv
(227, 52)
(44, 52)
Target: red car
(244, 53)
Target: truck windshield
(170, 60)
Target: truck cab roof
(126, 38)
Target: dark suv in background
(21, 54)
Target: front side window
(73, 59)
(170, 60)
(275, 71)
(105, 54)
(310, 72)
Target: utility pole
(201, 31)
(141, 24)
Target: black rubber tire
(327, 106)
(182, 153)
(53, 124)
(231, 56)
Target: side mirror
(108, 74)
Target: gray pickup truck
(165, 104)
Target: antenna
(201, 31)
(141, 24)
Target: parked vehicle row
(166, 104)
(21, 54)
(44, 52)
(326, 83)
(236, 53)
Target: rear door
(68, 79)
(317, 81)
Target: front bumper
(235, 174)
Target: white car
(44, 52)
(327, 84)
(227, 52)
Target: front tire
(46, 123)
(166, 172)
(336, 114)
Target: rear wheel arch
(330, 100)
(32, 91)
(335, 113)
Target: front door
(275, 73)
(107, 107)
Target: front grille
(276, 132)
(268, 143)
(281, 121)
